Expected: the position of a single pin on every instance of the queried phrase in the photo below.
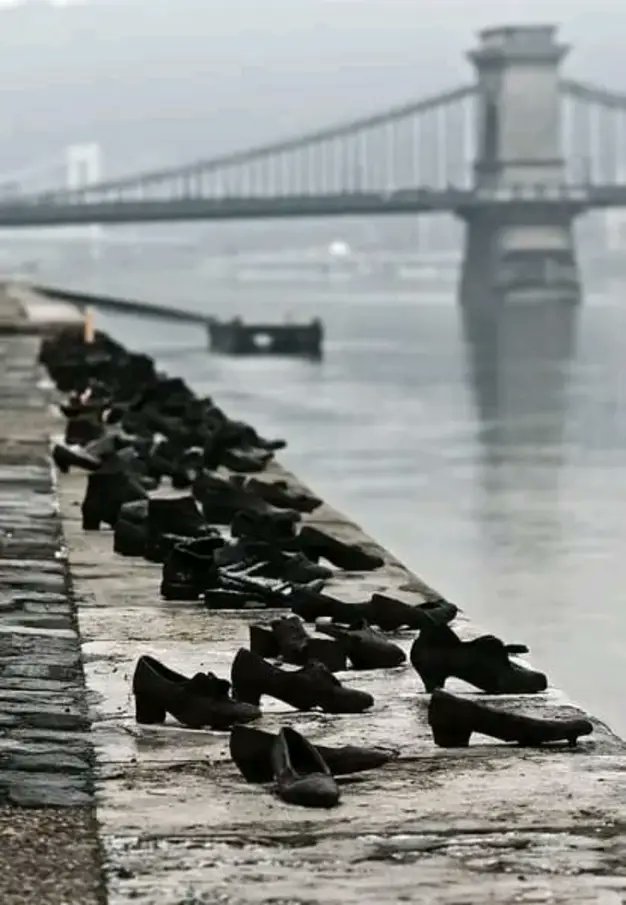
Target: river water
(489, 455)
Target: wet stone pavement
(486, 824)
(174, 822)
(48, 840)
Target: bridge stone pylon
(519, 251)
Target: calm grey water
(490, 456)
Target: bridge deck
(401, 201)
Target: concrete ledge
(493, 823)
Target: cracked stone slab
(503, 868)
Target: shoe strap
(318, 671)
(495, 647)
(210, 685)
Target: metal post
(416, 174)
(441, 146)
(389, 157)
(468, 140)
(595, 145)
(362, 162)
(620, 162)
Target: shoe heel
(263, 642)
(171, 591)
(148, 711)
(246, 693)
(91, 522)
(451, 736)
(252, 772)
(432, 680)
(328, 652)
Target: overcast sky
(169, 80)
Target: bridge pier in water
(519, 248)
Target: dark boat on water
(237, 338)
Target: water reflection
(520, 361)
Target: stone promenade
(160, 815)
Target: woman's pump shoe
(311, 686)
(438, 653)
(288, 640)
(453, 720)
(251, 750)
(202, 701)
(316, 543)
(301, 775)
(365, 647)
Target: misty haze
(392, 232)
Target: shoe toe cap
(317, 790)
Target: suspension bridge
(517, 154)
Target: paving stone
(45, 748)
(44, 789)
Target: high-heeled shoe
(453, 720)
(438, 653)
(316, 543)
(202, 701)
(311, 686)
(365, 647)
(287, 638)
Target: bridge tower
(520, 250)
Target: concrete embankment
(175, 820)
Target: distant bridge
(517, 155)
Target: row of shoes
(236, 542)
(303, 773)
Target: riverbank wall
(138, 814)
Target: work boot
(106, 492)
(190, 569)
(131, 533)
(281, 495)
(272, 562)
(316, 543)
(83, 429)
(222, 499)
(66, 457)
(173, 515)
(245, 460)
(275, 528)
